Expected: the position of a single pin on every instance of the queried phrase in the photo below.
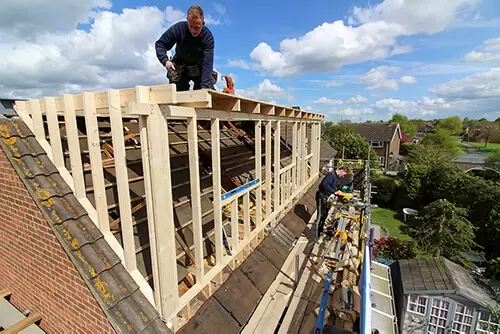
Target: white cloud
(377, 78)
(492, 44)
(220, 8)
(423, 16)
(327, 83)
(27, 18)
(116, 51)
(266, 91)
(239, 63)
(475, 56)
(358, 99)
(326, 101)
(401, 49)
(424, 107)
(408, 79)
(486, 55)
(332, 45)
(476, 86)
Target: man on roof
(194, 52)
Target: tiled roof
(375, 131)
(440, 275)
(113, 287)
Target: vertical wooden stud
(258, 173)
(216, 181)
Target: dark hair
(345, 169)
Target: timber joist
(228, 106)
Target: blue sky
(354, 60)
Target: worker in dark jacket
(327, 187)
(194, 52)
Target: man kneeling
(194, 52)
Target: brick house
(435, 295)
(384, 138)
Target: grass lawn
(491, 147)
(390, 221)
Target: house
(435, 295)
(385, 139)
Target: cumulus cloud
(239, 63)
(327, 83)
(117, 50)
(371, 34)
(266, 91)
(476, 86)
(408, 79)
(358, 99)
(490, 53)
(378, 78)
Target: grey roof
(326, 151)
(438, 275)
(376, 131)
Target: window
(377, 143)
(462, 322)
(381, 160)
(486, 323)
(439, 316)
(417, 304)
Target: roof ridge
(114, 289)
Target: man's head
(196, 20)
(342, 172)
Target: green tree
(488, 132)
(451, 124)
(348, 142)
(405, 124)
(493, 269)
(442, 229)
(493, 161)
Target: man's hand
(169, 65)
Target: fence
(151, 109)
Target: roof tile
(96, 258)
(114, 285)
(79, 232)
(375, 131)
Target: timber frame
(263, 202)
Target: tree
(493, 161)
(442, 229)
(493, 269)
(394, 249)
(488, 132)
(349, 143)
(405, 124)
(451, 124)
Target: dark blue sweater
(189, 50)
(329, 185)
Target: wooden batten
(195, 99)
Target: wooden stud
(246, 215)
(234, 226)
(258, 173)
(143, 96)
(38, 126)
(194, 175)
(74, 146)
(122, 180)
(163, 212)
(294, 157)
(217, 187)
(277, 164)
(21, 108)
(268, 170)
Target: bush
(385, 188)
(394, 249)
